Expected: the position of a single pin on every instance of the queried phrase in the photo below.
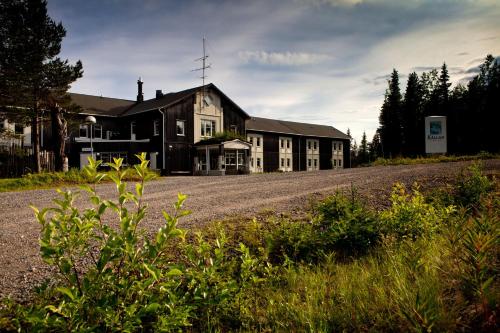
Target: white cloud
(282, 58)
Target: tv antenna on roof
(202, 69)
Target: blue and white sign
(435, 135)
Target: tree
(375, 147)
(412, 119)
(33, 78)
(390, 118)
(363, 155)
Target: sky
(317, 61)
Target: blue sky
(318, 61)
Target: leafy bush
(410, 216)
(472, 185)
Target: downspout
(163, 137)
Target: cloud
(282, 58)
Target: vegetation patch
(422, 264)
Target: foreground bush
(417, 266)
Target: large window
(230, 159)
(180, 125)
(207, 128)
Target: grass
(46, 180)
(432, 159)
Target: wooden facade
(125, 128)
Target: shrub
(472, 185)
(410, 216)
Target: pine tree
(412, 117)
(375, 147)
(32, 77)
(363, 156)
(390, 118)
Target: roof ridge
(121, 99)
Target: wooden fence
(16, 161)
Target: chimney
(140, 96)
(159, 93)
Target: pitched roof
(101, 106)
(172, 98)
(294, 128)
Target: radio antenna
(203, 68)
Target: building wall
(272, 153)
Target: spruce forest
(472, 111)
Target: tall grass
(432, 159)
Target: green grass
(432, 159)
(46, 180)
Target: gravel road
(209, 198)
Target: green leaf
(174, 272)
(67, 292)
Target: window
(132, 130)
(282, 162)
(288, 162)
(83, 131)
(334, 146)
(288, 143)
(240, 158)
(258, 142)
(340, 163)
(251, 161)
(308, 144)
(250, 139)
(230, 159)
(18, 129)
(334, 163)
(179, 124)
(340, 146)
(315, 163)
(282, 143)
(207, 128)
(97, 131)
(156, 127)
(233, 128)
(258, 162)
(314, 142)
(309, 162)
(2, 125)
(109, 134)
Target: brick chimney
(140, 95)
(159, 93)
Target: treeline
(472, 112)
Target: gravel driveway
(209, 198)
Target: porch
(214, 158)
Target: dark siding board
(183, 110)
(232, 117)
(271, 152)
(179, 157)
(325, 153)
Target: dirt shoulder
(209, 198)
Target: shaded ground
(209, 198)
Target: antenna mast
(203, 67)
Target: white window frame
(208, 128)
(180, 124)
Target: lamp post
(90, 120)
